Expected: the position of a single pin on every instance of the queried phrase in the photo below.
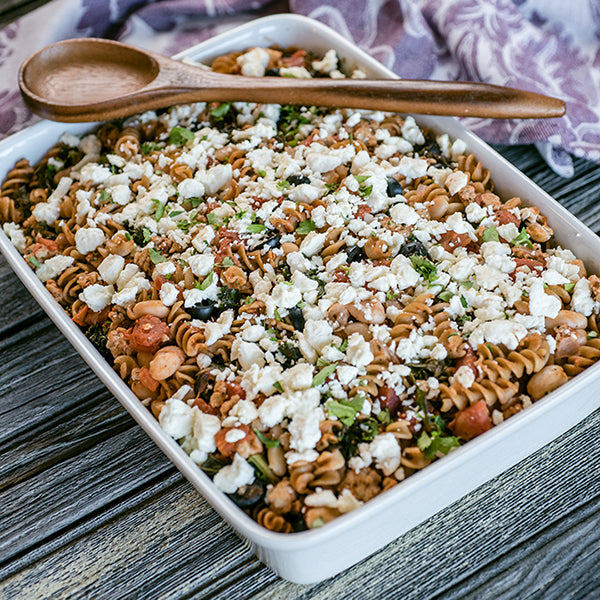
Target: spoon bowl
(104, 71)
(90, 79)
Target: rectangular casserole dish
(314, 555)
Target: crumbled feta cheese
(254, 62)
(542, 304)
(175, 418)
(16, 236)
(97, 296)
(87, 239)
(168, 294)
(581, 299)
(232, 477)
(110, 268)
(53, 267)
(456, 181)
(384, 449)
(358, 352)
(464, 376)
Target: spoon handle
(444, 98)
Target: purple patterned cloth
(540, 45)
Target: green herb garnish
(221, 110)
(523, 239)
(148, 147)
(365, 191)
(159, 209)
(104, 196)
(256, 227)
(156, 257)
(34, 261)
(268, 443)
(345, 410)
(490, 235)
(361, 178)
(305, 227)
(206, 282)
(323, 374)
(424, 267)
(180, 136)
(227, 262)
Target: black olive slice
(413, 247)
(354, 253)
(298, 179)
(248, 495)
(297, 318)
(202, 310)
(394, 187)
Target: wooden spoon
(92, 79)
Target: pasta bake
(316, 303)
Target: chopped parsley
(445, 295)
(221, 111)
(434, 441)
(268, 443)
(424, 267)
(490, 235)
(34, 261)
(180, 136)
(523, 239)
(206, 282)
(365, 191)
(345, 410)
(159, 209)
(148, 147)
(305, 227)
(256, 227)
(323, 374)
(156, 257)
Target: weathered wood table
(90, 508)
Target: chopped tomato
(468, 360)
(205, 407)
(50, 244)
(79, 318)
(295, 60)
(532, 263)
(504, 216)
(452, 240)
(147, 379)
(148, 334)
(363, 209)
(341, 275)
(472, 421)
(390, 400)
(235, 389)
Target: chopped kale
(98, 336)
(229, 298)
(363, 430)
(291, 353)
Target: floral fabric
(546, 46)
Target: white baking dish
(311, 556)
